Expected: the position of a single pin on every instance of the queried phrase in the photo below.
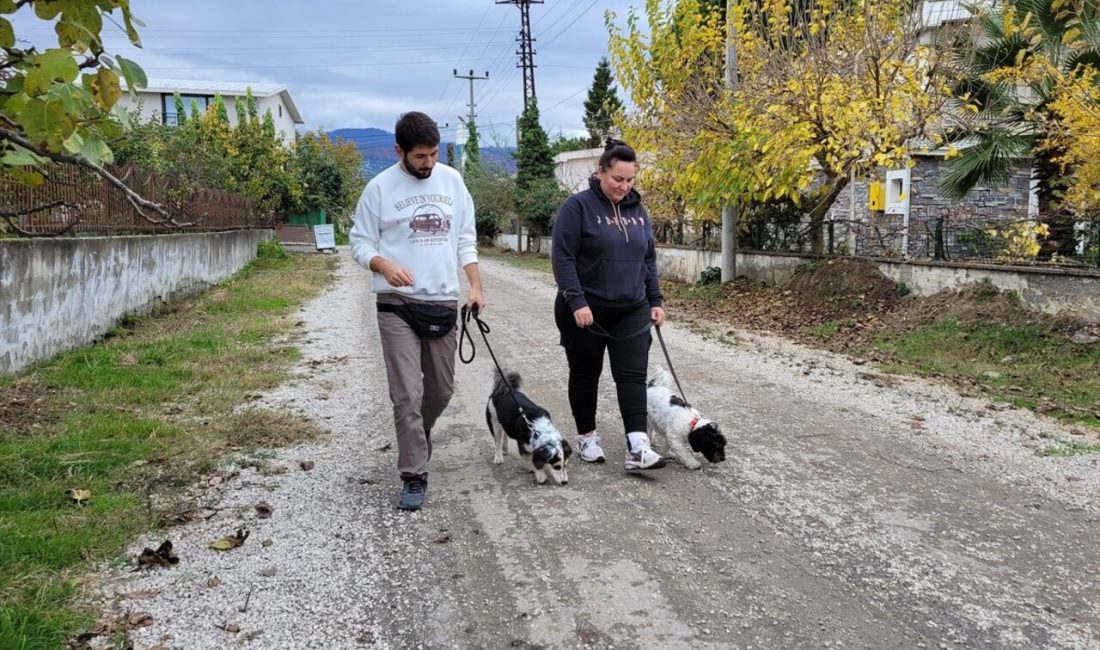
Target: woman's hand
(658, 315)
(583, 316)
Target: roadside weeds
(156, 406)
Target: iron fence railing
(75, 200)
(1009, 241)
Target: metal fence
(1007, 241)
(75, 200)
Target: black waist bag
(427, 320)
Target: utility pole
(730, 212)
(526, 47)
(472, 114)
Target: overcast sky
(362, 63)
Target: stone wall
(880, 234)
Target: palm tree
(1009, 118)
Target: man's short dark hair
(415, 128)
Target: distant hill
(376, 147)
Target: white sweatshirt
(424, 225)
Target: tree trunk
(1062, 238)
(820, 203)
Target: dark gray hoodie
(603, 253)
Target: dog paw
(498, 459)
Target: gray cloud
(360, 64)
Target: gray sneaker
(413, 491)
(589, 446)
(643, 457)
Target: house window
(168, 102)
(280, 110)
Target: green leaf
(19, 157)
(71, 32)
(25, 176)
(47, 124)
(132, 73)
(52, 66)
(7, 6)
(7, 34)
(74, 99)
(106, 89)
(47, 9)
(73, 143)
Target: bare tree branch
(136, 200)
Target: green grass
(1072, 449)
(825, 330)
(1024, 365)
(706, 295)
(532, 261)
(162, 390)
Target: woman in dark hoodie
(605, 265)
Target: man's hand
(395, 275)
(583, 317)
(658, 315)
(475, 301)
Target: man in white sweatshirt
(413, 227)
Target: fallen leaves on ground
(78, 496)
(229, 543)
(163, 556)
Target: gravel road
(855, 510)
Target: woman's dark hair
(616, 150)
(415, 128)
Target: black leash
(483, 327)
(669, 360)
(598, 330)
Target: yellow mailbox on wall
(876, 196)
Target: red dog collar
(694, 421)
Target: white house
(574, 168)
(156, 100)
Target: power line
(526, 47)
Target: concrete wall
(1052, 291)
(58, 294)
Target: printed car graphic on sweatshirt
(428, 220)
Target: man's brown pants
(421, 373)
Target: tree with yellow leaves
(826, 87)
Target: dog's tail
(658, 377)
(500, 388)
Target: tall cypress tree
(537, 191)
(472, 150)
(601, 105)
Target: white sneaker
(589, 446)
(643, 457)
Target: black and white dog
(539, 441)
(676, 422)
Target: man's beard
(409, 167)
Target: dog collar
(694, 421)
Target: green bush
(271, 249)
(710, 275)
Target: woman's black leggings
(629, 353)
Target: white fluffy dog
(677, 423)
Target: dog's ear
(541, 456)
(566, 450)
(709, 441)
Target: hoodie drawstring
(619, 221)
